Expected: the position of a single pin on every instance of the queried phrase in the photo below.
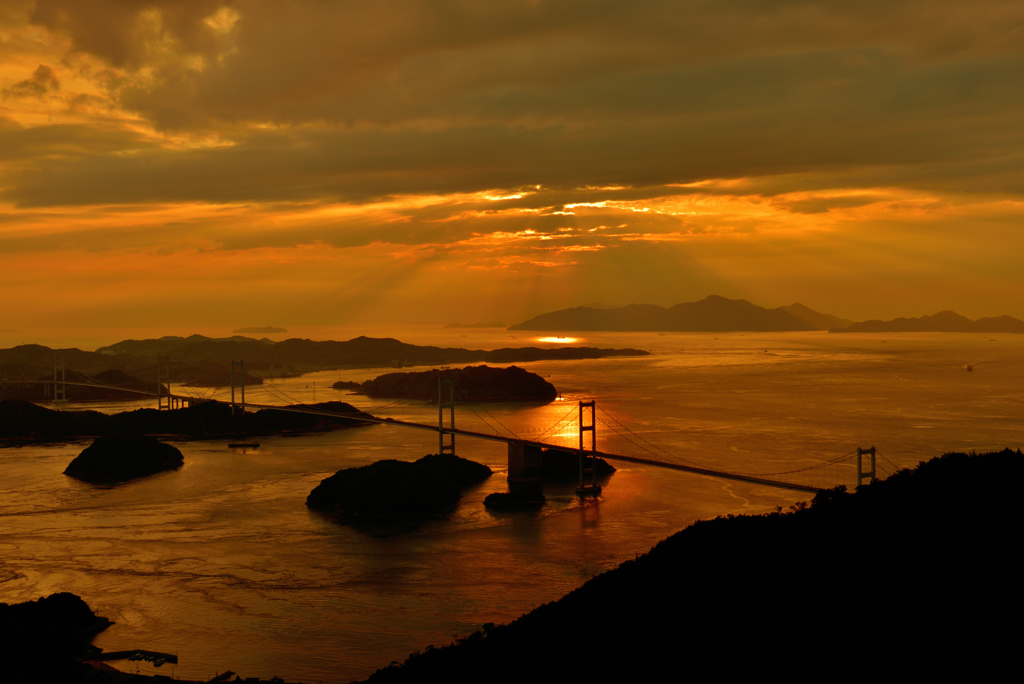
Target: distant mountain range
(944, 321)
(712, 314)
(718, 314)
(205, 362)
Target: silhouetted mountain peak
(714, 313)
(943, 321)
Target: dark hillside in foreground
(910, 576)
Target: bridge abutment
(524, 468)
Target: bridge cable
(641, 446)
(655, 446)
(823, 464)
(485, 422)
(90, 380)
(556, 424)
(896, 468)
(466, 397)
(786, 472)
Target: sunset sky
(200, 163)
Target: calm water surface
(222, 563)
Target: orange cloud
(367, 161)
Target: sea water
(221, 563)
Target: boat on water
(243, 445)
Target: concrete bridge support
(524, 468)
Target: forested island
(118, 458)
(396, 490)
(473, 383)
(22, 421)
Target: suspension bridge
(524, 454)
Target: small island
(393, 490)
(120, 458)
(472, 383)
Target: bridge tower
(443, 404)
(593, 489)
(861, 473)
(163, 383)
(59, 396)
(241, 381)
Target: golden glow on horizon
(558, 340)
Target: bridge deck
(721, 474)
(709, 472)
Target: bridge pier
(524, 468)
